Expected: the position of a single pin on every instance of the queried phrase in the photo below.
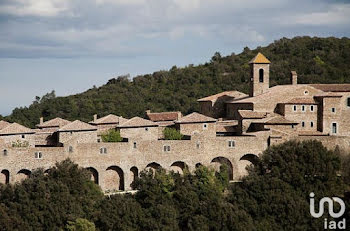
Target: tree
(80, 224)
(112, 136)
(172, 134)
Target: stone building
(232, 128)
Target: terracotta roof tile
(109, 119)
(137, 122)
(77, 125)
(332, 87)
(56, 122)
(163, 116)
(259, 58)
(3, 124)
(228, 94)
(248, 114)
(195, 118)
(15, 128)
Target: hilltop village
(231, 128)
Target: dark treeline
(274, 196)
(317, 60)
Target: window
(198, 145)
(5, 152)
(333, 109)
(135, 145)
(348, 102)
(166, 148)
(261, 75)
(23, 136)
(306, 92)
(98, 140)
(294, 107)
(231, 143)
(205, 126)
(38, 155)
(103, 150)
(311, 124)
(303, 124)
(303, 108)
(146, 129)
(70, 149)
(312, 108)
(334, 128)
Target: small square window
(231, 143)
(166, 148)
(334, 128)
(205, 126)
(135, 145)
(105, 150)
(294, 107)
(98, 140)
(146, 129)
(23, 136)
(198, 145)
(333, 109)
(38, 155)
(303, 124)
(101, 150)
(312, 108)
(303, 107)
(311, 124)
(70, 149)
(348, 102)
(5, 152)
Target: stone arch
(5, 176)
(245, 161)
(114, 178)
(135, 174)
(93, 174)
(178, 167)
(198, 165)
(153, 166)
(22, 174)
(218, 161)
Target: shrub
(172, 134)
(112, 136)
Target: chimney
(294, 77)
(95, 117)
(148, 111)
(179, 115)
(41, 120)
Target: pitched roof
(259, 58)
(195, 118)
(56, 122)
(137, 122)
(163, 116)
(302, 100)
(229, 94)
(332, 87)
(15, 128)
(248, 114)
(109, 119)
(77, 125)
(3, 124)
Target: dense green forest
(274, 196)
(317, 60)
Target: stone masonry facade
(232, 128)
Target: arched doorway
(5, 177)
(135, 174)
(218, 161)
(114, 178)
(22, 174)
(153, 166)
(178, 167)
(245, 161)
(94, 174)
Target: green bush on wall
(112, 136)
(172, 134)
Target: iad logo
(332, 224)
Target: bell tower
(260, 71)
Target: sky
(70, 45)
